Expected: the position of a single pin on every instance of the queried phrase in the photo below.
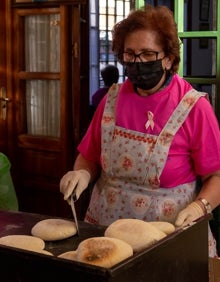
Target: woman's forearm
(211, 189)
(91, 167)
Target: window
(199, 32)
(198, 25)
(104, 14)
(42, 49)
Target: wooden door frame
(3, 76)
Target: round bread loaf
(103, 251)
(54, 229)
(137, 233)
(45, 252)
(164, 226)
(71, 255)
(25, 242)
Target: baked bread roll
(25, 242)
(164, 226)
(103, 251)
(54, 229)
(45, 252)
(71, 255)
(137, 233)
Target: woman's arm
(77, 180)
(207, 200)
(91, 167)
(210, 190)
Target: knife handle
(73, 195)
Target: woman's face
(145, 40)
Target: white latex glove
(76, 180)
(192, 212)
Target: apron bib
(132, 162)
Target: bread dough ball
(137, 233)
(103, 251)
(54, 229)
(25, 242)
(71, 255)
(164, 226)
(45, 252)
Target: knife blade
(72, 203)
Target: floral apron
(132, 162)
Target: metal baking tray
(180, 257)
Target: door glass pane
(42, 54)
(43, 107)
(42, 43)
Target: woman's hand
(192, 212)
(74, 181)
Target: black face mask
(144, 75)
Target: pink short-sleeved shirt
(195, 149)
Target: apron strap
(167, 134)
(108, 122)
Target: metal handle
(4, 100)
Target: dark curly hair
(110, 75)
(159, 19)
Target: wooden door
(44, 115)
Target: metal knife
(72, 203)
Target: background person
(110, 75)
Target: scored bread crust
(25, 242)
(103, 251)
(54, 229)
(138, 233)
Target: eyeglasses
(144, 56)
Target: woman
(151, 137)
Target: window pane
(210, 89)
(110, 12)
(200, 15)
(111, 22)
(43, 107)
(168, 3)
(202, 50)
(42, 43)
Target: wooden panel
(38, 75)
(51, 1)
(38, 200)
(39, 142)
(36, 163)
